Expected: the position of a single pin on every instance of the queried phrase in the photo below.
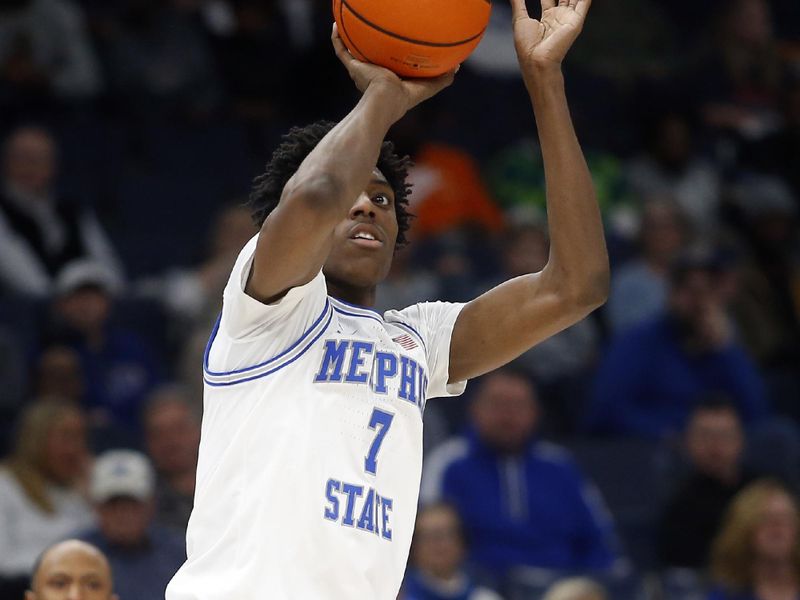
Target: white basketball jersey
(311, 447)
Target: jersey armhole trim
(290, 354)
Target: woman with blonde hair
(756, 555)
(39, 500)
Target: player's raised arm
(506, 321)
(296, 237)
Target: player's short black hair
(295, 146)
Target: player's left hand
(545, 42)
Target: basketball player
(311, 445)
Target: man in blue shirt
(143, 556)
(654, 374)
(523, 501)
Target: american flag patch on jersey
(405, 341)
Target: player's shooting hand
(364, 75)
(545, 42)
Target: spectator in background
(40, 501)
(671, 167)
(767, 306)
(447, 191)
(438, 550)
(738, 83)
(524, 503)
(119, 368)
(713, 444)
(40, 232)
(58, 373)
(44, 51)
(143, 556)
(456, 219)
(756, 555)
(72, 570)
(172, 437)
(576, 588)
(653, 374)
(639, 287)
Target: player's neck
(352, 295)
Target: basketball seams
(376, 27)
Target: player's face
(364, 242)
(72, 572)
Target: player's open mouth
(366, 237)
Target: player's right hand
(364, 75)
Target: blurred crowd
(652, 451)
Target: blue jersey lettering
(357, 360)
(332, 361)
(373, 510)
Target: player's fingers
(440, 82)
(573, 3)
(582, 7)
(341, 51)
(518, 10)
(548, 4)
(563, 2)
(422, 89)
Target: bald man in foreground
(71, 570)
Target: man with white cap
(119, 365)
(143, 556)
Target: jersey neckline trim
(372, 312)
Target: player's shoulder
(424, 316)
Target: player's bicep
(501, 324)
(293, 243)
(245, 317)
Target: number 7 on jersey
(380, 421)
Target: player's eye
(382, 200)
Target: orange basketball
(413, 38)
